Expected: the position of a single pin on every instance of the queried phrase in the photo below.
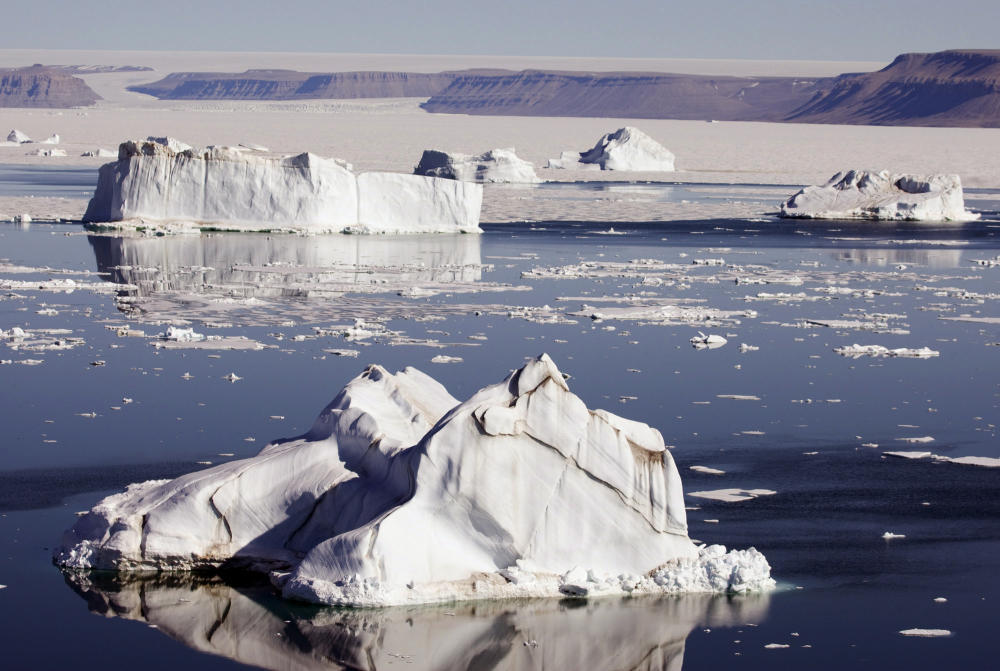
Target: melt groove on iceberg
(399, 494)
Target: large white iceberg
(400, 494)
(860, 194)
(494, 166)
(163, 181)
(627, 148)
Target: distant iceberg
(400, 494)
(493, 166)
(627, 148)
(860, 194)
(162, 180)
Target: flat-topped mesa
(400, 494)
(162, 180)
(493, 166)
(627, 148)
(860, 194)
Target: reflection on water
(286, 265)
(931, 258)
(249, 623)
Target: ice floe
(860, 194)
(732, 495)
(984, 462)
(232, 188)
(627, 148)
(352, 512)
(926, 633)
(493, 166)
(857, 351)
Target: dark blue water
(821, 531)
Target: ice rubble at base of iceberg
(162, 180)
(627, 148)
(400, 494)
(494, 166)
(860, 194)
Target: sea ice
(858, 194)
(401, 494)
(493, 166)
(224, 187)
(627, 148)
(926, 633)
(711, 341)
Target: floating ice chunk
(926, 633)
(444, 358)
(858, 194)
(352, 512)
(984, 462)
(232, 377)
(179, 334)
(744, 348)
(627, 148)
(732, 495)
(739, 397)
(917, 439)
(494, 166)
(18, 137)
(888, 535)
(102, 153)
(856, 351)
(708, 470)
(776, 646)
(52, 139)
(711, 341)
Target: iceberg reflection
(250, 623)
(248, 264)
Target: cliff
(39, 86)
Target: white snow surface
(494, 166)
(162, 180)
(860, 194)
(400, 494)
(627, 148)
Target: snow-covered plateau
(400, 494)
(494, 166)
(162, 181)
(860, 194)
(627, 148)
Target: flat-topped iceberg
(161, 180)
(627, 148)
(400, 494)
(860, 194)
(494, 166)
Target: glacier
(162, 180)
(399, 494)
(494, 166)
(882, 195)
(627, 148)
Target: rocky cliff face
(948, 88)
(39, 86)
(293, 85)
(642, 95)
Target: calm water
(845, 592)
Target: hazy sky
(760, 29)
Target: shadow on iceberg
(247, 622)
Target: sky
(753, 29)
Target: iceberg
(399, 494)
(161, 180)
(17, 137)
(494, 166)
(627, 148)
(52, 139)
(860, 194)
